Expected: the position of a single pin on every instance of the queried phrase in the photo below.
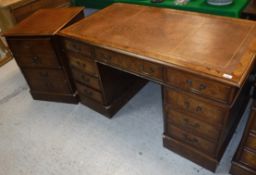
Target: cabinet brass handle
(146, 72)
(190, 124)
(189, 139)
(35, 60)
(81, 64)
(202, 87)
(198, 109)
(189, 82)
(105, 58)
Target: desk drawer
(88, 92)
(211, 113)
(142, 67)
(43, 80)
(192, 125)
(201, 86)
(248, 158)
(191, 140)
(83, 64)
(34, 52)
(78, 47)
(86, 79)
(251, 141)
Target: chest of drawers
(244, 162)
(36, 49)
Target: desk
(201, 61)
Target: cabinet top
(219, 48)
(13, 3)
(44, 22)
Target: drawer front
(251, 141)
(248, 158)
(192, 125)
(86, 79)
(34, 53)
(83, 64)
(205, 87)
(211, 113)
(192, 140)
(43, 80)
(78, 47)
(88, 92)
(144, 68)
(24, 11)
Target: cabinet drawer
(189, 139)
(211, 113)
(83, 64)
(248, 158)
(88, 92)
(43, 80)
(202, 86)
(34, 52)
(251, 141)
(142, 67)
(86, 79)
(78, 47)
(192, 125)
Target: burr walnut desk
(202, 62)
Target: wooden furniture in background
(202, 62)
(35, 47)
(244, 162)
(13, 11)
(249, 11)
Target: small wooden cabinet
(244, 162)
(37, 51)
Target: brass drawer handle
(189, 139)
(35, 60)
(146, 72)
(201, 87)
(190, 124)
(88, 93)
(104, 57)
(86, 79)
(81, 64)
(198, 109)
